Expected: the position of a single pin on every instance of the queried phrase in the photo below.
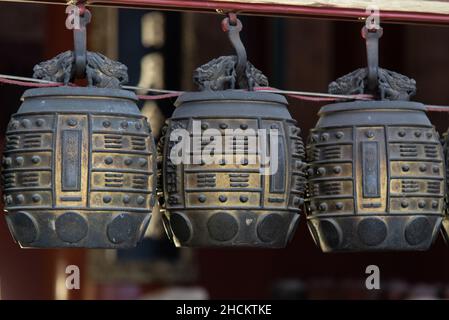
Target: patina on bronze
(230, 203)
(445, 223)
(376, 174)
(79, 161)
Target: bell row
(80, 167)
(79, 170)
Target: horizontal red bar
(267, 9)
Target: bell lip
(79, 91)
(195, 96)
(372, 104)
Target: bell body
(376, 177)
(78, 169)
(231, 203)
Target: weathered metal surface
(78, 169)
(100, 71)
(230, 203)
(445, 224)
(376, 177)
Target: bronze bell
(229, 202)
(376, 168)
(78, 162)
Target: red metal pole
(266, 9)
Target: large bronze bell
(376, 169)
(77, 169)
(79, 161)
(230, 203)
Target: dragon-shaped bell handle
(230, 72)
(381, 83)
(99, 70)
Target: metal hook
(232, 26)
(80, 41)
(372, 37)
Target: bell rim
(79, 91)
(370, 105)
(238, 95)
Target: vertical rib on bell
(78, 169)
(445, 223)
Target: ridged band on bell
(376, 177)
(445, 223)
(78, 169)
(230, 203)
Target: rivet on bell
(322, 206)
(40, 122)
(20, 198)
(26, 123)
(244, 161)
(405, 167)
(35, 159)
(243, 198)
(434, 204)
(339, 135)
(202, 198)
(325, 137)
(126, 199)
(418, 134)
(72, 122)
(140, 200)
(204, 126)
(222, 198)
(107, 199)
(223, 125)
(138, 125)
(106, 124)
(128, 161)
(142, 162)
(124, 124)
(404, 203)
(429, 135)
(402, 133)
(20, 160)
(14, 124)
(36, 198)
(8, 199)
(321, 171)
(314, 138)
(421, 204)
(243, 126)
(422, 167)
(7, 161)
(436, 169)
(337, 169)
(108, 160)
(369, 134)
(339, 205)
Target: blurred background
(161, 50)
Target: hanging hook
(80, 40)
(372, 37)
(232, 26)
